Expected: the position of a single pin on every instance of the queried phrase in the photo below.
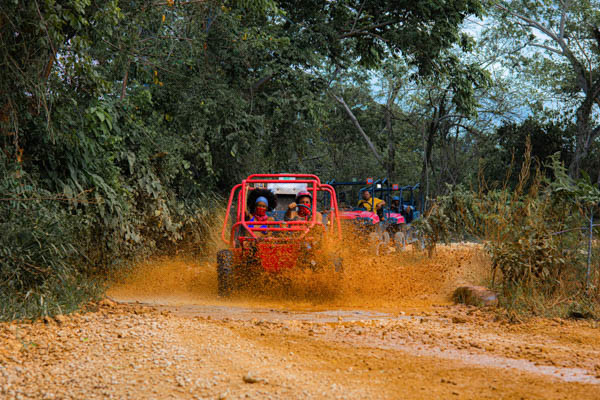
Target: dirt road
(392, 334)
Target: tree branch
(125, 78)
(563, 19)
(262, 81)
(358, 14)
(531, 22)
(551, 49)
(365, 30)
(360, 129)
(579, 70)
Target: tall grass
(536, 236)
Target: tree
(417, 31)
(347, 31)
(510, 143)
(453, 105)
(558, 42)
(32, 36)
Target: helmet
(266, 194)
(395, 198)
(303, 193)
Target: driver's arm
(290, 212)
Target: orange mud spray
(397, 281)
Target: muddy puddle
(265, 314)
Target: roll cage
(243, 231)
(383, 189)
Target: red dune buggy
(274, 243)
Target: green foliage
(42, 270)
(554, 46)
(534, 238)
(581, 192)
(509, 142)
(350, 30)
(122, 122)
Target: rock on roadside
(475, 296)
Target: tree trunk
(429, 136)
(125, 78)
(391, 153)
(432, 129)
(585, 133)
(360, 129)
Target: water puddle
(565, 374)
(275, 315)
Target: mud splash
(398, 280)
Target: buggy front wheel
(400, 241)
(224, 273)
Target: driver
(408, 214)
(395, 207)
(368, 203)
(304, 204)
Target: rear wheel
(415, 238)
(224, 273)
(380, 240)
(381, 249)
(422, 242)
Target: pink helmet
(303, 193)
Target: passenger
(368, 203)
(395, 207)
(408, 214)
(259, 202)
(304, 204)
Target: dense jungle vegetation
(123, 122)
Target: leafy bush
(537, 239)
(56, 249)
(41, 270)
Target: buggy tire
(400, 241)
(225, 279)
(422, 243)
(385, 237)
(381, 249)
(410, 236)
(338, 265)
(373, 238)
